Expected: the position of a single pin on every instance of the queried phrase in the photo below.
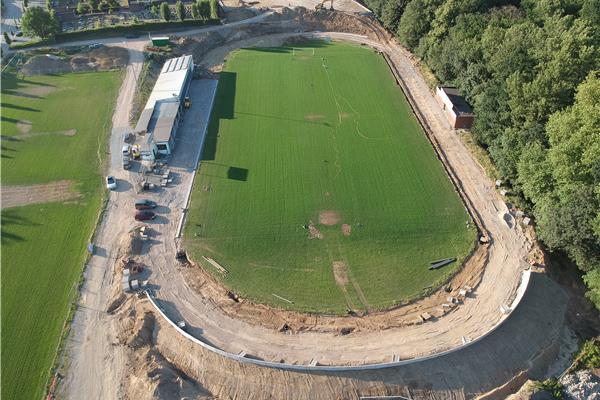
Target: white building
(160, 118)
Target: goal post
(297, 50)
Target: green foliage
(36, 295)
(214, 9)
(195, 12)
(25, 3)
(589, 355)
(180, 10)
(38, 22)
(204, 9)
(83, 8)
(309, 145)
(165, 11)
(154, 10)
(48, 5)
(7, 38)
(553, 386)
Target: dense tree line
(530, 69)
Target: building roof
(160, 111)
(162, 120)
(460, 104)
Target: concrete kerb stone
(521, 290)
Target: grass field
(43, 246)
(328, 139)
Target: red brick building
(455, 107)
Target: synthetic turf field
(44, 245)
(295, 138)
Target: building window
(162, 147)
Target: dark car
(144, 204)
(144, 215)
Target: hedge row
(115, 30)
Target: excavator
(321, 5)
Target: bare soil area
(101, 58)
(329, 218)
(21, 195)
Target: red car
(144, 215)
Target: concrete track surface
(96, 365)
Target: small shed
(160, 41)
(457, 110)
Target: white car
(111, 182)
(126, 150)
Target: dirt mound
(150, 375)
(98, 59)
(142, 331)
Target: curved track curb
(521, 290)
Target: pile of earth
(99, 58)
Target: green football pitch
(318, 185)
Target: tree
(154, 10)
(7, 38)
(165, 11)
(103, 6)
(180, 10)
(83, 8)
(49, 5)
(214, 9)
(391, 13)
(38, 22)
(204, 9)
(414, 24)
(25, 3)
(195, 12)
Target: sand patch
(21, 195)
(24, 126)
(344, 115)
(38, 90)
(329, 218)
(314, 232)
(314, 117)
(68, 132)
(346, 229)
(340, 273)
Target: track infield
(318, 185)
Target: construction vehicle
(321, 5)
(187, 103)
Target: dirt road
(95, 365)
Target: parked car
(126, 163)
(128, 137)
(111, 182)
(144, 204)
(126, 150)
(144, 215)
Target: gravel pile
(582, 385)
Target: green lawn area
(43, 245)
(290, 140)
